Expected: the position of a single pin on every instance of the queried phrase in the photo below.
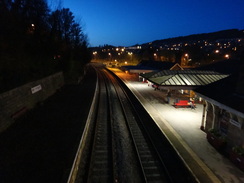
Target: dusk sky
(130, 22)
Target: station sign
(36, 89)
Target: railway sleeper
(101, 150)
(146, 156)
(99, 166)
(155, 179)
(147, 164)
(151, 170)
(101, 178)
(145, 152)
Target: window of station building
(234, 117)
(224, 121)
(235, 121)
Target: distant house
(176, 67)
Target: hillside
(225, 34)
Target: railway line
(122, 142)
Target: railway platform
(182, 128)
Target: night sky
(130, 22)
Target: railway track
(101, 161)
(123, 144)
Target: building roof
(228, 66)
(148, 66)
(183, 78)
(177, 67)
(223, 93)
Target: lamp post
(187, 56)
(185, 59)
(131, 54)
(95, 55)
(155, 56)
(110, 56)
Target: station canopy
(189, 79)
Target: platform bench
(183, 103)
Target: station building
(147, 66)
(224, 112)
(218, 87)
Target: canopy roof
(183, 77)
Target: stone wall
(17, 101)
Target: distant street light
(186, 59)
(110, 55)
(131, 54)
(155, 56)
(95, 55)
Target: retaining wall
(17, 101)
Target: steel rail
(124, 144)
(170, 158)
(101, 162)
(151, 164)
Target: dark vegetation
(36, 42)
